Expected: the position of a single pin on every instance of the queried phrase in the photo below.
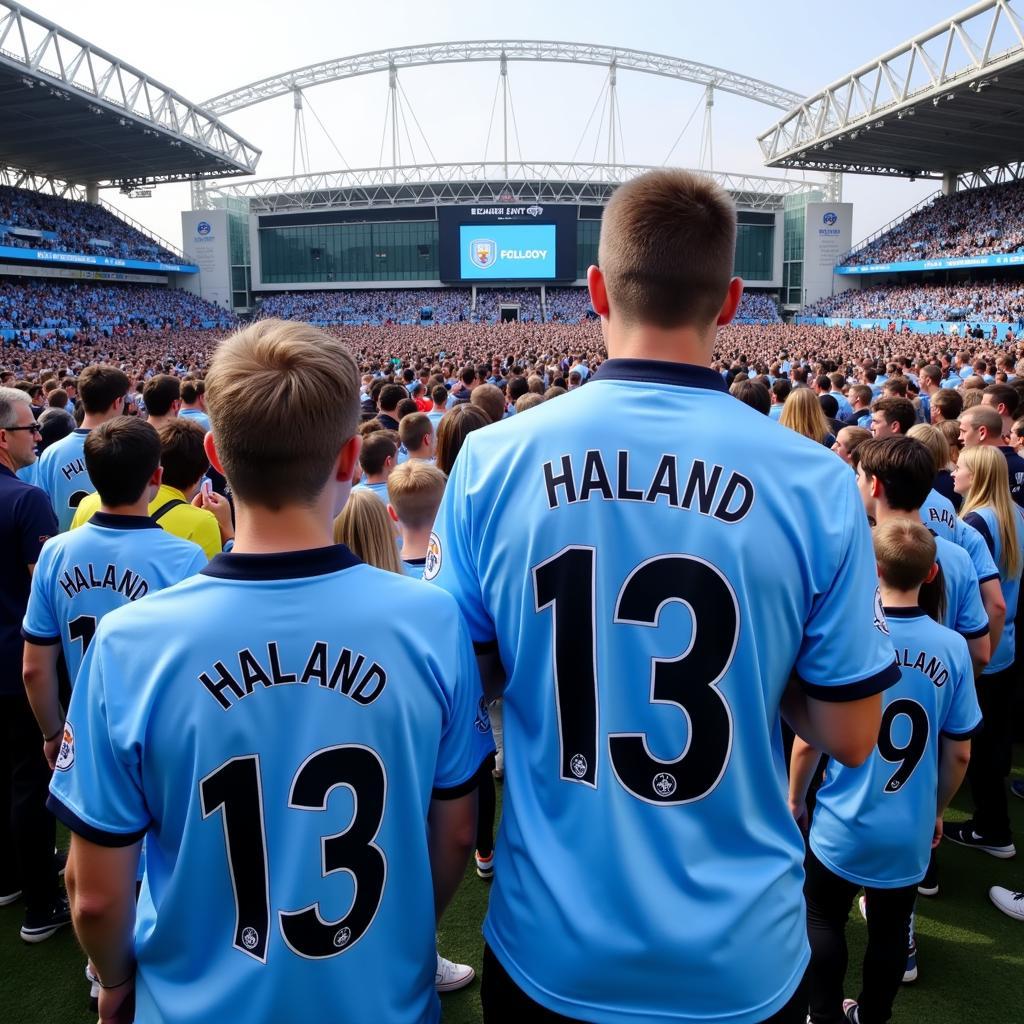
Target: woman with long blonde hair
(363, 525)
(802, 412)
(983, 479)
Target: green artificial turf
(971, 957)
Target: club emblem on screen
(482, 252)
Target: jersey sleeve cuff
(986, 579)
(99, 836)
(949, 735)
(976, 634)
(39, 641)
(463, 788)
(857, 690)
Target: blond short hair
(363, 525)
(415, 489)
(283, 399)
(934, 440)
(905, 553)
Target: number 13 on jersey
(566, 584)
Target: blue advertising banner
(501, 252)
(1008, 259)
(43, 256)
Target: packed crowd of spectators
(757, 308)
(36, 308)
(31, 220)
(978, 222)
(998, 301)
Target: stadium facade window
(588, 233)
(755, 245)
(320, 253)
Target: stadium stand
(1001, 301)
(31, 220)
(35, 310)
(983, 221)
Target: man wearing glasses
(27, 829)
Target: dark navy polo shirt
(26, 521)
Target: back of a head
(283, 399)
(904, 552)
(829, 405)
(904, 467)
(377, 448)
(182, 452)
(57, 399)
(406, 407)
(751, 393)
(668, 241)
(364, 527)
(191, 390)
(160, 393)
(390, 396)
(100, 387)
(950, 403)
(489, 398)
(802, 413)
(415, 489)
(528, 401)
(121, 456)
(414, 429)
(452, 432)
(439, 394)
(934, 440)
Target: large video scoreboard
(507, 243)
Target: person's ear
(932, 572)
(392, 513)
(210, 447)
(598, 292)
(348, 459)
(732, 301)
(874, 486)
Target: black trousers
(991, 754)
(829, 899)
(486, 809)
(505, 1003)
(27, 829)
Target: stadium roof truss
(948, 101)
(73, 112)
(501, 50)
(432, 184)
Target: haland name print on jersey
(709, 490)
(345, 673)
(124, 581)
(926, 663)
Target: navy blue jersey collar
(904, 613)
(114, 522)
(283, 565)
(81, 430)
(660, 371)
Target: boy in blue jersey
(875, 825)
(894, 476)
(647, 868)
(415, 490)
(193, 402)
(62, 471)
(377, 458)
(119, 556)
(300, 750)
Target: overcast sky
(208, 47)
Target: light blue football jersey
(197, 416)
(938, 514)
(435, 418)
(279, 747)
(984, 521)
(965, 611)
(82, 575)
(62, 474)
(380, 490)
(623, 545)
(414, 567)
(873, 825)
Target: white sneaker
(1009, 902)
(451, 977)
